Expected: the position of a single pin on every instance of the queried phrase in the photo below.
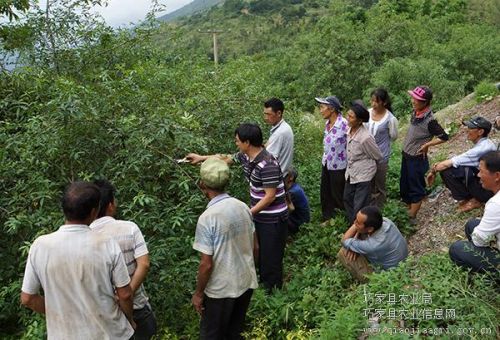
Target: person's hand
(194, 158)
(197, 301)
(350, 255)
(423, 150)
(431, 177)
(439, 167)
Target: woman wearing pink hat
(424, 131)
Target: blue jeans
(468, 255)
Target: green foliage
(485, 91)
(93, 102)
(9, 8)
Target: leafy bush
(485, 91)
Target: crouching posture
(480, 252)
(371, 243)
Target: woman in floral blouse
(334, 157)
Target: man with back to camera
(135, 252)
(280, 143)
(79, 271)
(227, 243)
(372, 242)
(459, 173)
(267, 200)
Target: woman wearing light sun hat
(334, 160)
(423, 132)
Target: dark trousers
(146, 323)
(272, 239)
(331, 192)
(224, 318)
(478, 259)
(412, 180)
(379, 192)
(356, 196)
(464, 184)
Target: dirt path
(438, 223)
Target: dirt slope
(438, 223)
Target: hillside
(196, 6)
(439, 222)
(123, 105)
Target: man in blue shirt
(371, 243)
(459, 173)
(301, 212)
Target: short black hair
(486, 132)
(79, 199)
(491, 160)
(293, 174)
(359, 109)
(275, 104)
(249, 132)
(373, 217)
(107, 195)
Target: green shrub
(485, 91)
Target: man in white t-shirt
(80, 273)
(280, 143)
(481, 253)
(136, 255)
(226, 241)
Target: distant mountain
(190, 9)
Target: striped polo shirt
(131, 242)
(265, 172)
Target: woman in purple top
(334, 157)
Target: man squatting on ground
(481, 251)
(459, 173)
(371, 243)
(267, 196)
(80, 271)
(227, 243)
(136, 255)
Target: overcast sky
(124, 12)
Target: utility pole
(214, 33)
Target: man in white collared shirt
(80, 273)
(280, 143)
(481, 251)
(459, 173)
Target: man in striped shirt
(135, 252)
(267, 200)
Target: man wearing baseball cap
(459, 173)
(226, 241)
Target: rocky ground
(439, 223)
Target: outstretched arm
(195, 158)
